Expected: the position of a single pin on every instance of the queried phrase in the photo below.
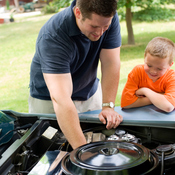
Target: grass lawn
(17, 47)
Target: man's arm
(110, 67)
(60, 88)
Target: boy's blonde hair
(162, 48)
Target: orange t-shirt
(138, 78)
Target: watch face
(111, 104)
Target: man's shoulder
(62, 20)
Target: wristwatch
(110, 104)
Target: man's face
(92, 28)
(156, 67)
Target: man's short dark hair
(106, 8)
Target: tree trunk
(129, 26)
(16, 3)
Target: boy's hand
(141, 92)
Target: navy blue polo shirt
(62, 48)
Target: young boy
(152, 82)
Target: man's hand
(110, 117)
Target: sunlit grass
(17, 47)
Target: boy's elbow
(126, 107)
(169, 109)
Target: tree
(129, 22)
(143, 4)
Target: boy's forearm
(159, 100)
(141, 101)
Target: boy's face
(92, 28)
(156, 67)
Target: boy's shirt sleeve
(170, 88)
(132, 84)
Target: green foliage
(121, 13)
(143, 10)
(49, 9)
(7, 5)
(154, 14)
(143, 3)
(55, 6)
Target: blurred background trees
(143, 10)
(129, 10)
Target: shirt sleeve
(53, 53)
(170, 88)
(128, 94)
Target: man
(64, 67)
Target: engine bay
(34, 136)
